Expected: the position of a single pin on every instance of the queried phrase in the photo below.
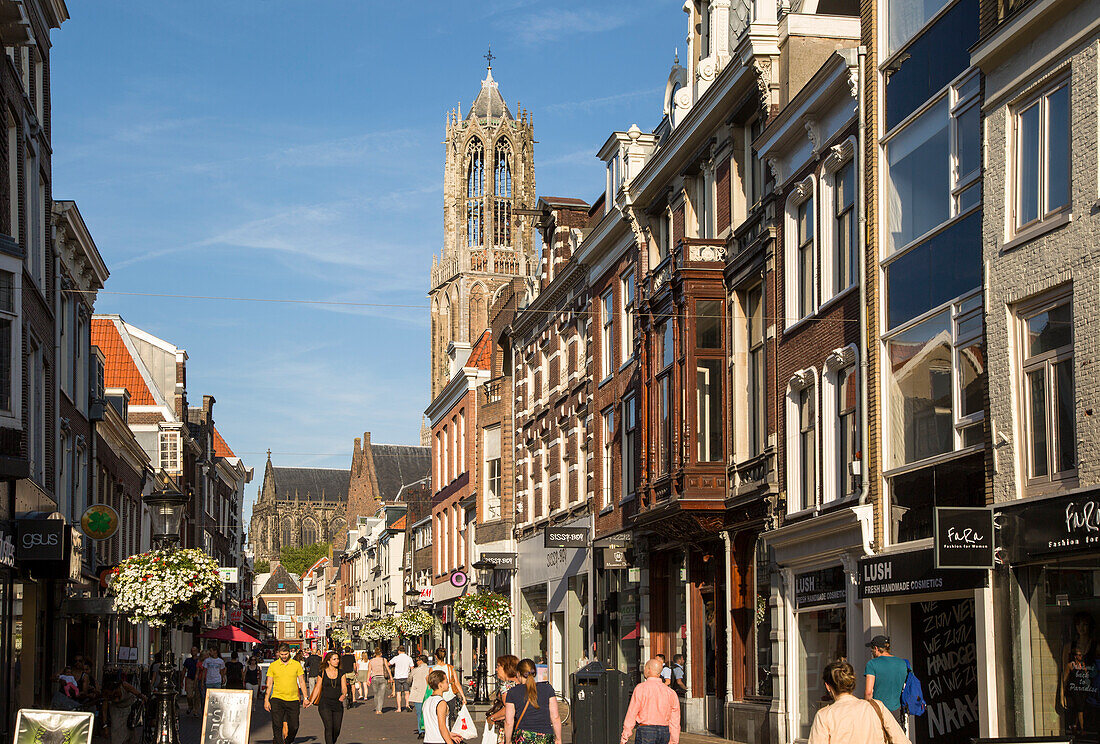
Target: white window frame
(803, 192)
(607, 335)
(1044, 362)
(629, 451)
(171, 438)
(836, 366)
(1041, 99)
(801, 381)
(607, 428)
(842, 156)
(492, 502)
(14, 416)
(626, 300)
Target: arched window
(309, 532)
(502, 188)
(287, 536)
(338, 525)
(475, 190)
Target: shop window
(1047, 379)
(708, 409)
(800, 256)
(762, 619)
(935, 385)
(1041, 176)
(925, 182)
(801, 442)
(607, 335)
(630, 445)
(931, 61)
(822, 638)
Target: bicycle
(564, 711)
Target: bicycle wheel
(563, 709)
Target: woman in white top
(436, 730)
(850, 720)
(452, 676)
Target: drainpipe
(729, 613)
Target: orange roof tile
(221, 449)
(119, 370)
(481, 354)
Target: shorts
(350, 676)
(363, 677)
(402, 685)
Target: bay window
(664, 424)
(1042, 156)
(1048, 397)
(708, 410)
(10, 372)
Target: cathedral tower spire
(488, 188)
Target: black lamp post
(167, 507)
(484, 577)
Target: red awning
(229, 633)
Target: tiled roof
(119, 370)
(221, 449)
(481, 355)
(311, 484)
(398, 464)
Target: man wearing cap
(886, 675)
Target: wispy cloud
(589, 104)
(550, 24)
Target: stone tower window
(502, 204)
(309, 533)
(475, 190)
(287, 536)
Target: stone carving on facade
(706, 252)
(814, 134)
(762, 66)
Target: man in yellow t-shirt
(286, 679)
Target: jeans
(378, 687)
(419, 708)
(650, 735)
(254, 687)
(332, 716)
(284, 711)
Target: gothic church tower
(488, 196)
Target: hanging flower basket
(380, 630)
(484, 612)
(414, 622)
(340, 636)
(165, 587)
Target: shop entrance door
(557, 648)
(939, 637)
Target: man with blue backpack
(891, 681)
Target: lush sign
(824, 587)
(912, 572)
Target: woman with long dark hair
(329, 695)
(531, 710)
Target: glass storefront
(619, 628)
(822, 638)
(577, 620)
(532, 623)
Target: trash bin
(600, 699)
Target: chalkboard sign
(227, 717)
(945, 661)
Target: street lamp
(167, 506)
(484, 578)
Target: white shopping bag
(489, 736)
(464, 725)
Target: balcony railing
(494, 389)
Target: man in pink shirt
(655, 708)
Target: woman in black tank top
(329, 694)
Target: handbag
(136, 719)
(882, 722)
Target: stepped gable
(310, 484)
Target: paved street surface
(361, 726)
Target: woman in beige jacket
(850, 720)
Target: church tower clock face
(488, 238)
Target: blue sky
(289, 149)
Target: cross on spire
(490, 56)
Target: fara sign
(964, 537)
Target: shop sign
(267, 618)
(36, 726)
(964, 537)
(823, 587)
(236, 616)
(426, 595)
(284, 618)
(7, 546)
(99, 522)
(565, 537)
(246, 604)
(616, 558)
(501, 560)
(912, 572)
(459, 579)
(352, 608)
(227, 717)
(228, 574)
(1054, 526)
(40, 540)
